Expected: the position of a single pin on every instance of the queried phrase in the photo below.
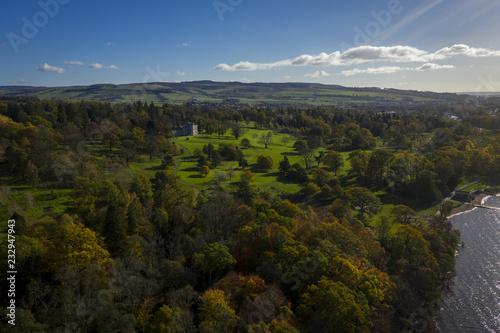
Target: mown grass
(476, 186)
(277, 150)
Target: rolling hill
(197, 92)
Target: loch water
(473, 301)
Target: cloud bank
(394, 69)
(363, 54)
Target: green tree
(165, 320)
(300, 146)
(363, 200)
(215, 260)
(141, 186)
(320, 177)
(413, 260)
(403, 214)
(308, 158)
(359, 162)
(129, 149)
(243, 163)
(115, 229)
(330, 306)
(284, 165)
(215, 159)
(376, 167)
(334, 161)
(32, 174)
(266, 139)
(245, 142)
(237, 130)
(264, 163)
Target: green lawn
(188, 169)
(477, 186)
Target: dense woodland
(153, 255)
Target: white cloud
(372, 70)
(110, 44)
(287, 77)
(249, 66)
(462, 49)
(363, 54)
(48, 68)
(394, 69)
(318, 74)
(179, 73)
(79, 63)
(96, 66)
(112, 67)
(432, 66)
(184, 44)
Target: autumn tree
(70, 243)
(216, 314)
(204, 171)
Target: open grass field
(281, 146)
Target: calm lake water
(473, 304)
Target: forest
(109, 239)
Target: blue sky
(437, 45)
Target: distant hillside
(237, 93)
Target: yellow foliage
(70, 243)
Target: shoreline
(465, 207)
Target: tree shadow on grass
(192, 169)
(154, 168)
(271, 175)
(196, 176)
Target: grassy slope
(178, 93)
